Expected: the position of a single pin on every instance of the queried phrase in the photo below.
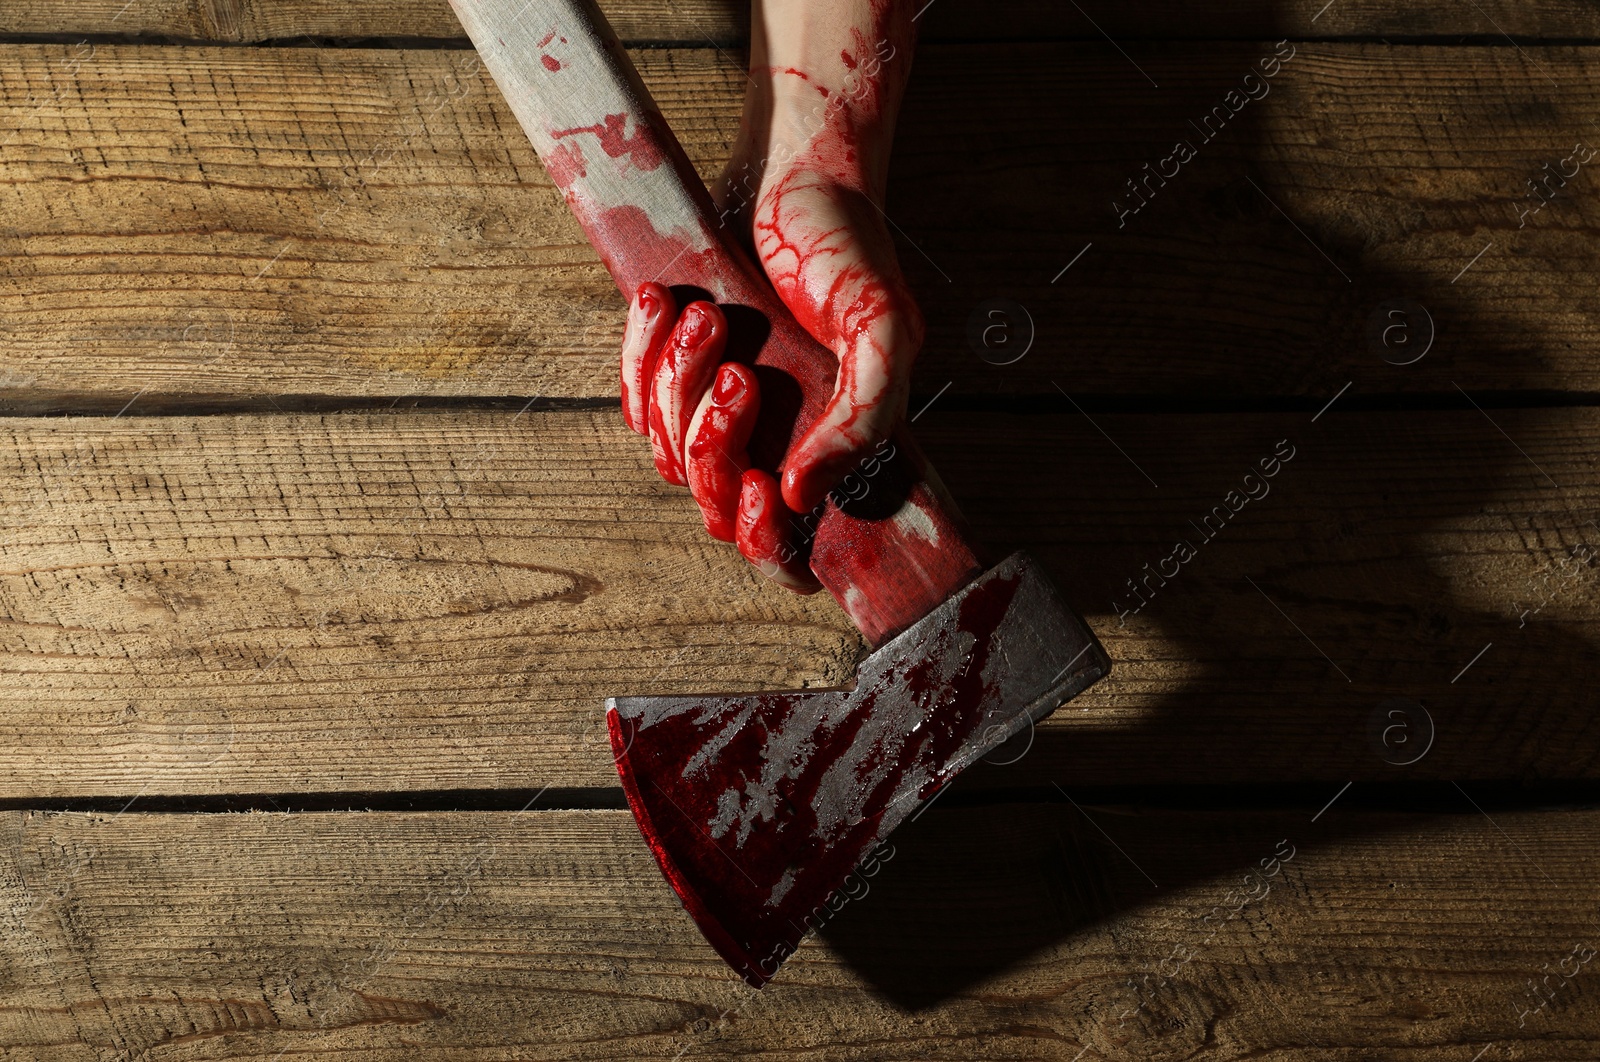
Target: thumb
(831, 260)
(867, 404)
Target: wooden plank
(695, 20)
(243, 222)
(485, 569)
(552, 936)
(239, 604)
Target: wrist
(827, 80)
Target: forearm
(827, 78)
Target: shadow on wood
(1314, 609)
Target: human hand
(699, 413)
(804, 190)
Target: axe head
(760, 808)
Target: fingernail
(647, 300)
(729, 386)
(697, 323)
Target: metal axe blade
(759, 807)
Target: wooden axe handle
(888, 545)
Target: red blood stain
(650, 322)
(551, 63)
(634, 252)
(766, 535)
(716, 454)
(801, 74)
(885, 576)
(687, 366)
(565, 164)
(642, 148)
(832, 262)
(548, 37)
(727, 884)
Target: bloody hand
(805, 190)
(699, 414)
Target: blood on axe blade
(759, 807)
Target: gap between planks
(1424, 797)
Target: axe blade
(760, 807)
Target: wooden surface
(550, 935)
(277, 603)
(315, 495)
(727, 21)
(302, 221)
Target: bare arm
(827, 80)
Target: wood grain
(727, 21)
(550, 935)
(236, 604)
(271, 604)
(211, 222)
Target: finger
(650, 319)
(766, 537)
(718, 436)
(688, 363)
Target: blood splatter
(551, 63)
(641, 148)
(565, 164)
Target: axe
(760, 807)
